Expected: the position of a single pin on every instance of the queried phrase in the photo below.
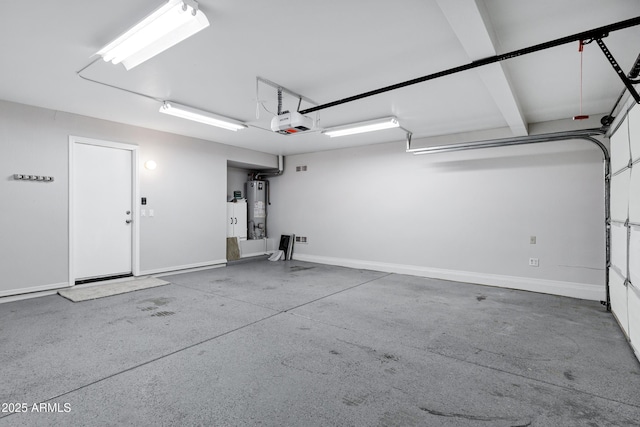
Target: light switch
(143, 212)
(151, 212)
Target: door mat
(78, 294)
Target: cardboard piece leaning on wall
(233, 249)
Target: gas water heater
(256, 192)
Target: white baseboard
(31, 292)
(185, 268)
(43, 290)
(568, 289)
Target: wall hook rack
(25, 177)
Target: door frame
(135, 184)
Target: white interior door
(102, 211)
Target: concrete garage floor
(300, 344)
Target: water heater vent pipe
(277, 172)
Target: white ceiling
(324, 50)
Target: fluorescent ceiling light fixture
(205, 117)
(368, 126)
(170, 24)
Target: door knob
(128, 221)
(128, 212)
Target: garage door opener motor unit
(291, 122)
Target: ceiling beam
(470, 23)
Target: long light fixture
(205, 117)
(361, 127)
(170, 24)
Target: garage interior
(473, 258)
(296, 343)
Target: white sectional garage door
(624, 273)
(634, 230)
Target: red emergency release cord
(581, 50)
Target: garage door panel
(620, 147)
(634, 256)
(618, 295)
(634, 132)
(624, 273)
(634, 318)
(620, 185)
(634, 194)
(619, 249)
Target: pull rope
(581, 50)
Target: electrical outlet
(534, 262)
(532, 240)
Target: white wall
(187, 191)
(236, 178)
(462, 216)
